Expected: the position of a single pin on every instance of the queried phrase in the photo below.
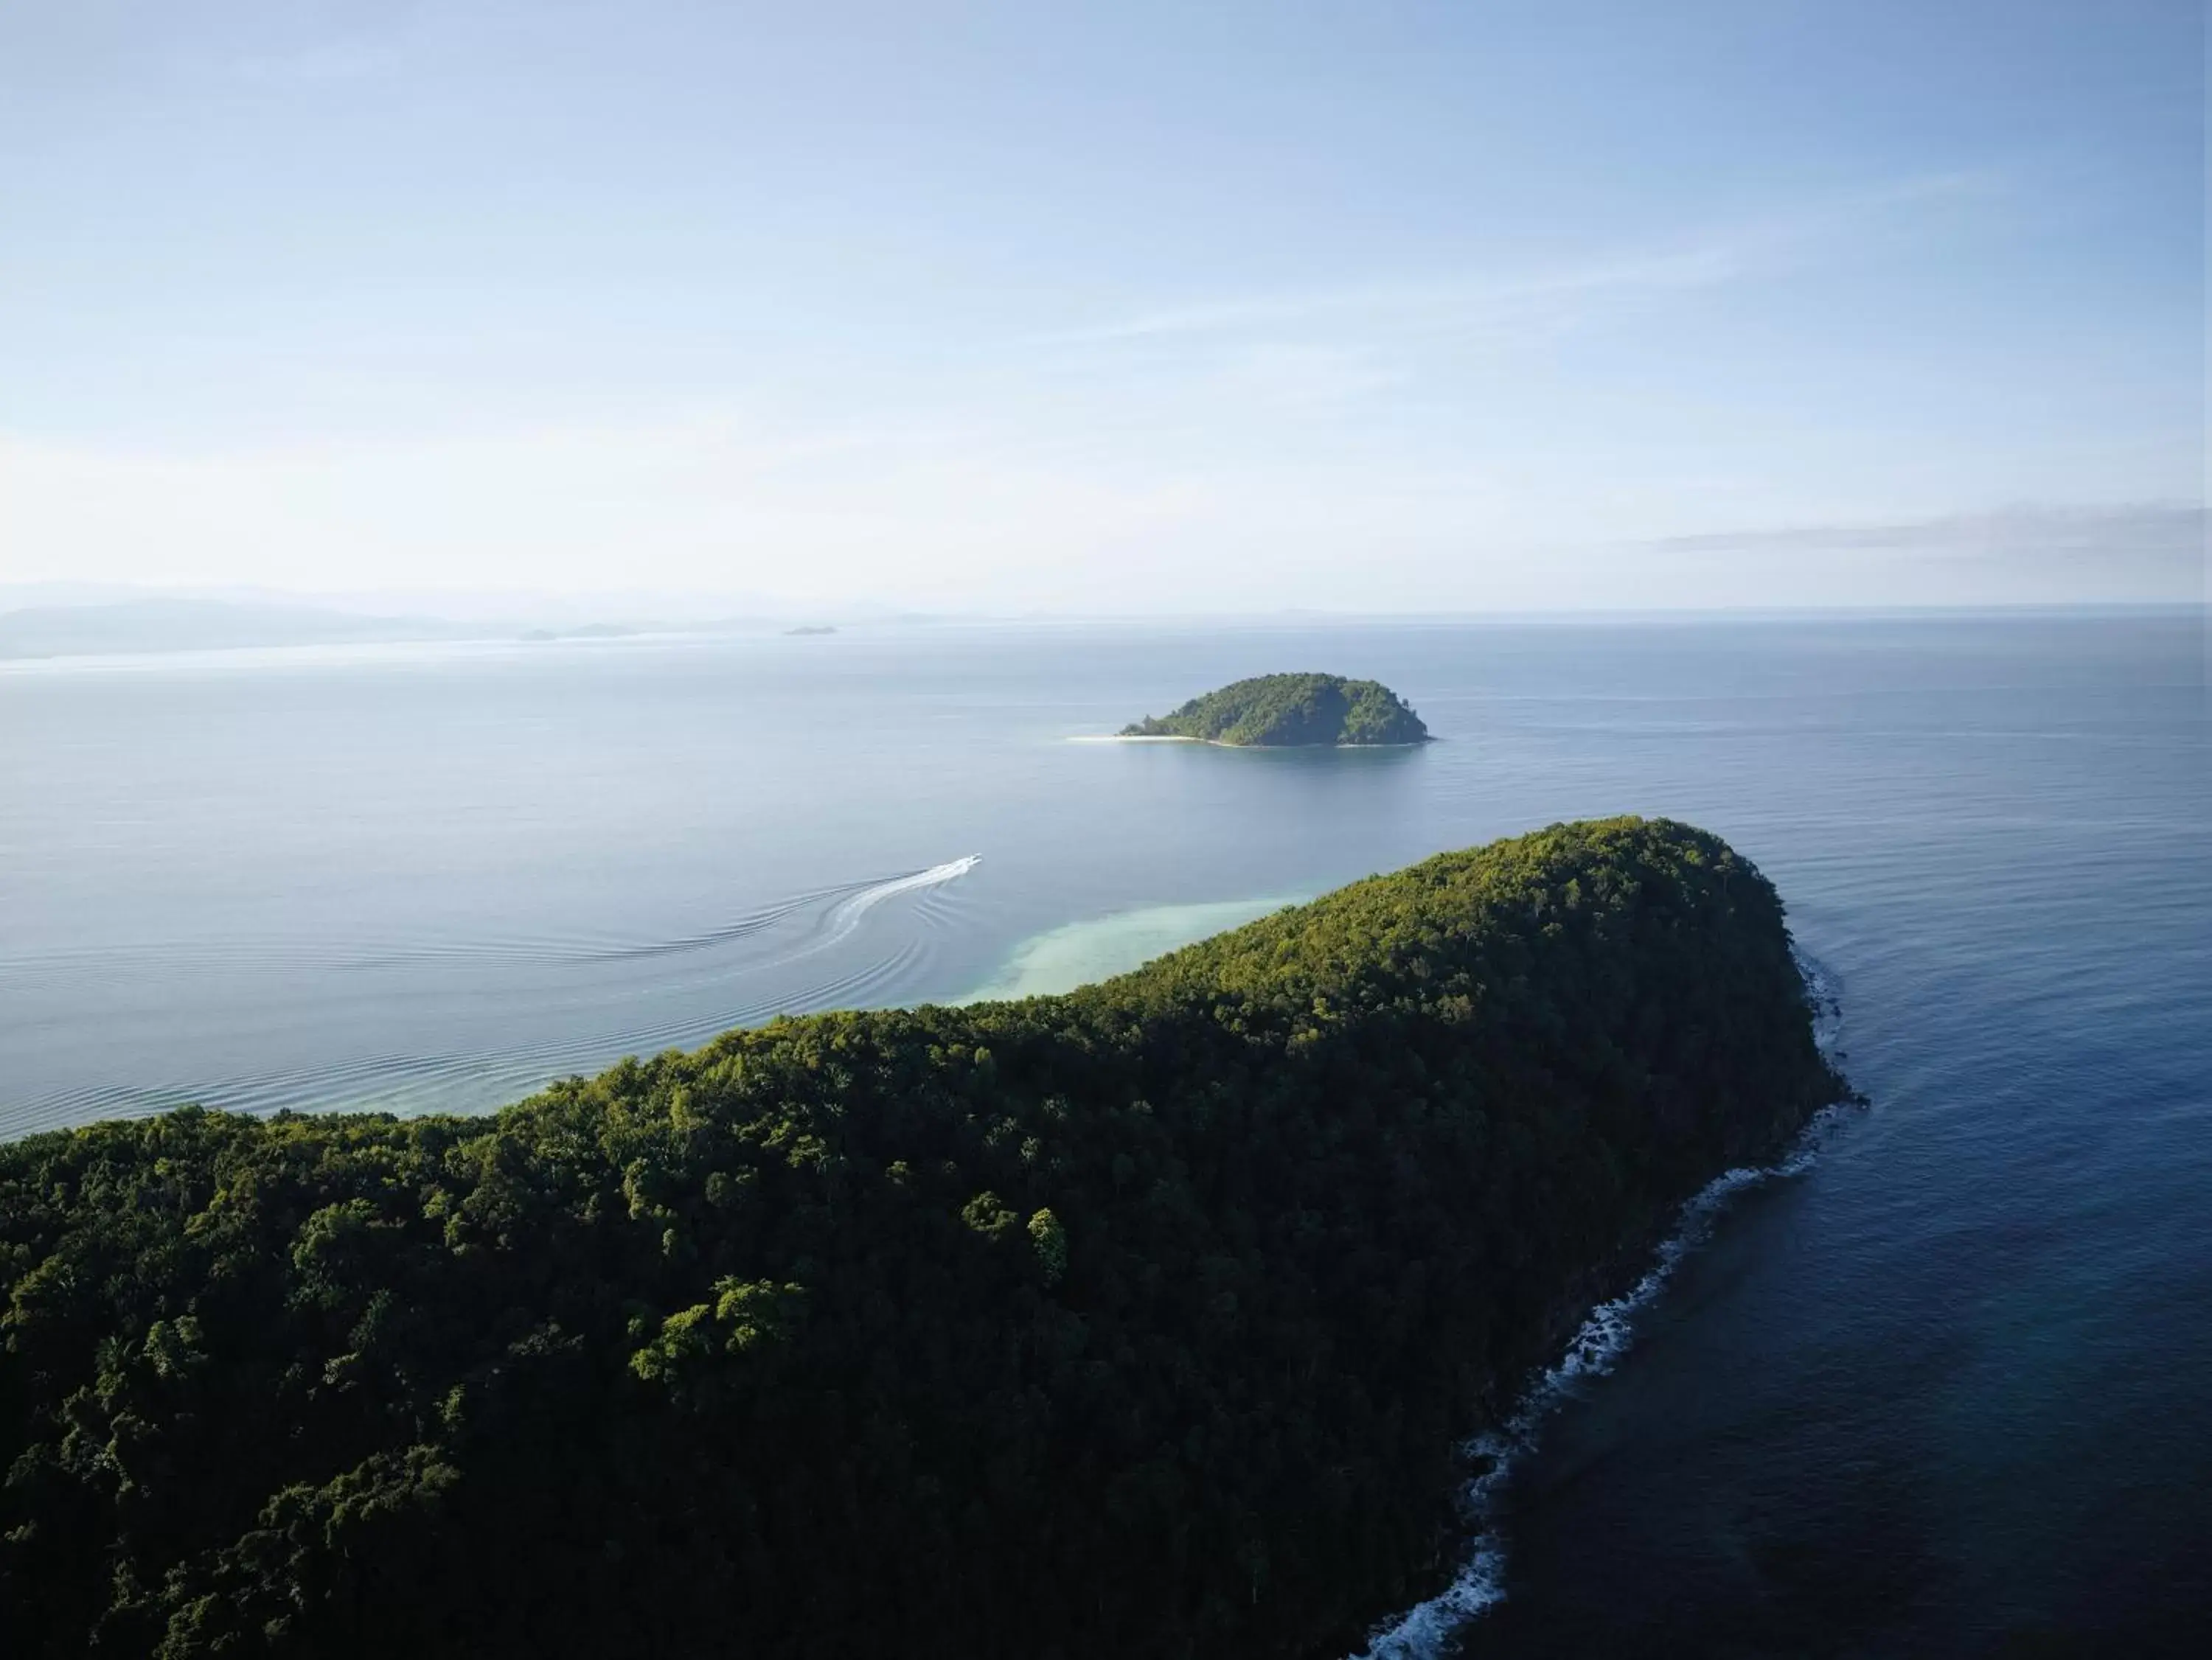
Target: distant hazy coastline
(163, 625)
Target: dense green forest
(1273, 710)
(1143, 1320)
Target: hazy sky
(1116, 307)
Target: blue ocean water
(1943, 1391)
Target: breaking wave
(1424, 1631)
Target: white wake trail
(846, 917)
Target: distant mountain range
(197, 625)
(169, 624)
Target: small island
(1285, 711)
(809, 628)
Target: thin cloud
(1720, 258)
(2170, 530)
(1693, 268)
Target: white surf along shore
(1083, 952)
(1427, 1631)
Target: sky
(1123, 307)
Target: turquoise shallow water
(1084, 951)
(1943, 1392)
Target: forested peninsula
(1274, 710)
(1143, 1320)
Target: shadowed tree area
(1141, 1320)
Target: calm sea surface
(1949, 1391)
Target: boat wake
(291, 955)
(745, 972)
(1426, 1630)
(846, 917)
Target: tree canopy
(1272, 709)
(1141, 1320)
